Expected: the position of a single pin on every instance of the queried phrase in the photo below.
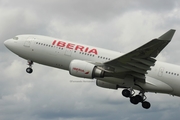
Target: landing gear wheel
(126, 93)
(134, 100)
(139, 98)
(146, 105)
(29, 70)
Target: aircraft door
(161, 70)
(27, 43)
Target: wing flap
(134, 69)
(139, 65)
(144, 61)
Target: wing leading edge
(137, 62)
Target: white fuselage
(162, 78)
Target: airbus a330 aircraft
(136, 70)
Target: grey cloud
(48, 92)
(16, 21)
(52, 96)
(87, 11)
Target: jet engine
(84, 69)
(104, 84)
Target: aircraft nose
(6, 43)
(9, 44)
(13, 46)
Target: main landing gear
(135, 99)
(29, 69)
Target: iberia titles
(75, 47)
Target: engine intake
(84, 69)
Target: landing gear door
(27, 43)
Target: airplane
(136, 70)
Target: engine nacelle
(104, 84)
(84, 69)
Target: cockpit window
(15, 38)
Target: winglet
(168, 35)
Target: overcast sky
(52, 94)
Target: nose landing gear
(29, 69)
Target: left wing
(137, 62)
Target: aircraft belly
(154, 85)
(151, 85)
(47, 59)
